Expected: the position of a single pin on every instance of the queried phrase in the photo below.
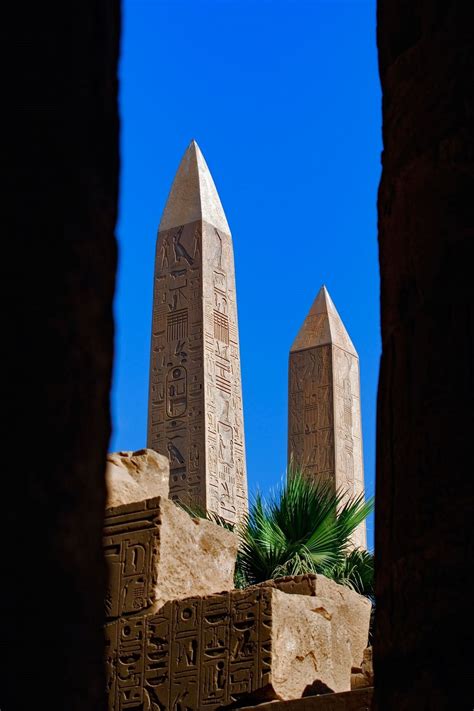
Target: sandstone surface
(195, 411)
(324, 416)
(351, 610)
(318, 638)
(135, 476)
(237, 647)
(156, 552)
(363, 676)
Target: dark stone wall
(60, 159)
(424, 502)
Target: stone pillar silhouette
(195, 399)
(324, 420)
(61, 165)
(424, 491)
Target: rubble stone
(364, 676)
(238, 647)
(136, 476)
(156, 552)
(351, 609)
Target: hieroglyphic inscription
(221, 327)
(177, 325)
(197, 653)
(131, 535)
(176, 399)
(195, 401)
(324, 420)
(310, 420)
(227, 481)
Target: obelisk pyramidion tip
(322, 326)
(193, 195)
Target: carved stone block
(156, 552)
(236, 647)
(193, 654)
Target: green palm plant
(304, 527)
(356, 571)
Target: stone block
(239, 647)
(360, 700)
(136, 476)
(156, 552)
(351, 609)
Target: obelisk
(195, 411)
(324, 417)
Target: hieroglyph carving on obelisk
(195, 398)
(324, 417)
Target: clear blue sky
(284, 101)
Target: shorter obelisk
(324, 417)
(195, 398)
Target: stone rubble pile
(178, 635)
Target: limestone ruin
(156, 552)
(179, 637)
(210, 652)
(136, 476)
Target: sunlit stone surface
(195, 398)
(324, 420)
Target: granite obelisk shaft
(324, 417)
(195, 397)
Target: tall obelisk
(195, 398)
(324, 418)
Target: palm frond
(303, 527)
(352, 513)
(356, 571)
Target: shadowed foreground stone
(360, 700)
(423, 513)
(60, 164)
(136, 476)
(156, 552)
(237, 647)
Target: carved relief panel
(310, 412)
(227, 484)
(176, 399)
(349, 467)
(131, 547)
(197, 653)
(195, 400)
(324, 419)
